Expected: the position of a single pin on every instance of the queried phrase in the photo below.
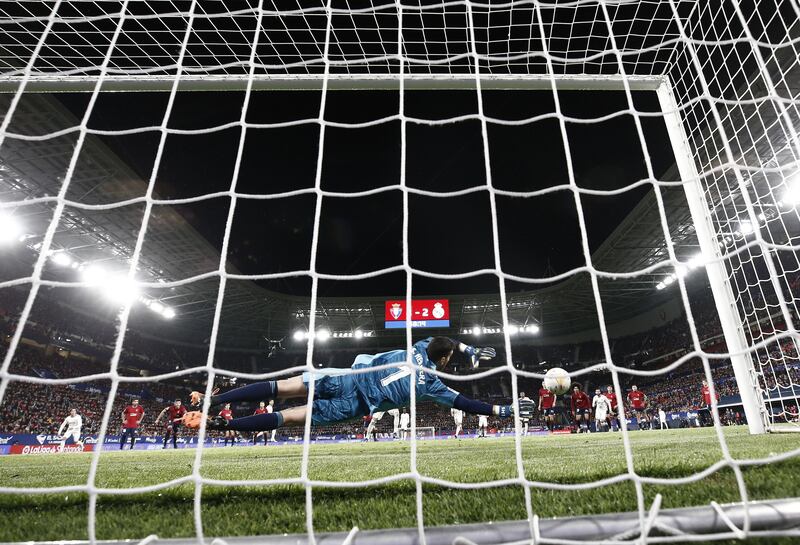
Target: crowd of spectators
(40, 408)
(68, 345)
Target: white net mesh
(749, 157)
(288, 38)
(731, 73)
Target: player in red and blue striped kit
(262, 409)
(227, 415)
(547, 407)
(638, 402)
(580, 404)
(131, 418)
(174, 418)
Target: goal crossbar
(71, 83)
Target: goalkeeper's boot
(217, 423)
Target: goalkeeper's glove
(504, 411)
(475, 355)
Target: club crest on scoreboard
(396, 311)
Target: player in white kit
(73, 424)
(602, 406)
(405, 423)
(396, 417)
(271, 409)
(458, 418)
(662, 419)
(483, 423)
(376, 417)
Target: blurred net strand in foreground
(732, 126)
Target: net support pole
(752, 402)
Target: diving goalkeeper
(341, 395)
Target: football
(557, 381)
(192, 419)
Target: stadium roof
(174, 250)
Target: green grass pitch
(258, 510)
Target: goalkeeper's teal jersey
(391, 387)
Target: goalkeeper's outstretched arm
(437, 391)
(474, 406)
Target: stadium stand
(56, 344)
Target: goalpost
(726, 78)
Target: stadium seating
(59, 347)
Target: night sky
(538, 236)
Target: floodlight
(661, 286)
(669, 280)
(746, 227)
(792, 194)
(155, 306)
(121, 289)
(93, 274)
(61, 259)
(323, 335)
(10, 229)
(358, 334)
(533, 328)
(695, 261)
(512, 329)
(476, 331)
(168, 313)
(299, 335)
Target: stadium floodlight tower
(726, 74)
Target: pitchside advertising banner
(424, 313)
(28, 443)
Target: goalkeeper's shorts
(336, 398)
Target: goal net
(749, 192)
(426, 432)
(725, 77)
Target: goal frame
(710, 520)
(752, 398)
(373, 82)
(713, 260)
